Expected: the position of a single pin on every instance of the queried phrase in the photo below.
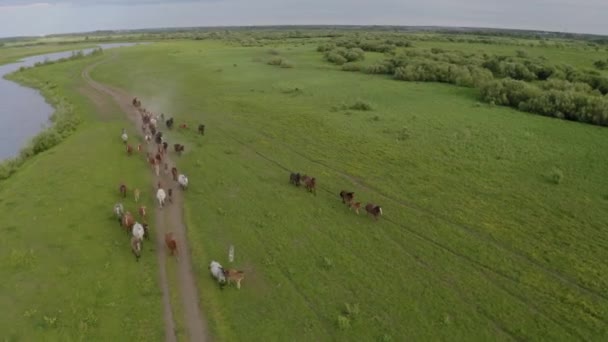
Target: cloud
(33, 3)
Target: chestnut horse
(310, 183)
(355, 205)
(171, 243)
(128, 221)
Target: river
(23, 111)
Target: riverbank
(67, 269)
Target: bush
(335, 58)
(351, 67)
(275, 61)
(360, 105)
(286, 64)
(556, 176)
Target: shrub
(360, 105)
(286, 64)
(351, 67)
(383, 68)
(343, 322)
(273, 52)
(275, 61)
(556, 176)
(335, 58)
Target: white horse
(161, 195)
(153, 121)
(138, 231)
(119, 210)
(183, 181)
(124, 136)
(217, 271)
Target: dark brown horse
(347, 196)
(310, 183)
(146, 230)
(295, 179)
(201, 129)
(123, 190)
(170, 195)
(179, 148)
(174, 173)
(373, 210)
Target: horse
(148, 138)
(129, 149)
(159, 158)
(347, 197)
(201, 129)
(179, 148)
(136, 195)
(217, 271)
(124, 136)
(171, 243)
(138, 230)
(157, 169)
(234, 276)
(174, 173)
(183, 181)
(165, 147)
(119, 210)
(146, 230)
(160, 195)
(355, 205)
(310, 183)
(142, 211)
(170, 192)
(183, 126)
(128, 221)
(123, 190)
(295, 179)
(169, 123)
(136, 247)
(373, 210)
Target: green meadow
(494, 224)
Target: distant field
(477, 241)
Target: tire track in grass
(566, 279)
(472, 262)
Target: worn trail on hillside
(170, 218)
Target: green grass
(477, 241)
(66, 266)
(14, 54)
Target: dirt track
(170, 218)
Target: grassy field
(66, 266)
(478, 242)
(14, 54)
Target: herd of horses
(348, 197)
(140, 231)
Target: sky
(41, 17)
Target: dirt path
(170, 218)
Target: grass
(14, 54)
(475, 242)
(66, 266)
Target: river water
(23, 111)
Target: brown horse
(355, 205)
(310, 183)
(146, 230)
(170, 193)
(174, 173)
(136, 247)
(128, 221)
(123, 190)
(183, 126)
(347, 197)
(171, 243)
(201, 129)
(129, 149)
(373, 210)
(234, 276)
(142, 211)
